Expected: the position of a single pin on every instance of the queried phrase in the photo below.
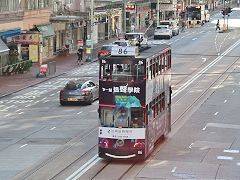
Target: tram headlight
(138, 145)
(103, 143)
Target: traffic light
(224, 11)
(229, 9)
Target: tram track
(59, 156)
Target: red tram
(134, 101)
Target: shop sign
(80, 42)
(27, 39)
(131, 8)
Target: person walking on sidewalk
(80, 55)
(183, 26)
(218, 25)
(132, 28)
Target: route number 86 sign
(124, 51)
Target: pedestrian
(183, 26)
(218, 25)
(80, 52)
(132, 28)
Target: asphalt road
(42, 140)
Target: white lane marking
(52, 94)
(216, 113)
(204, 128)
(174, 169)
(6, 109)
(231, 151)
(23, 146)
(225, 157)
(233, 91)
(7, 115)
(28, 105)
(238, 163)
(185, 85)
(221, 125)
(21, 113)
(79, 112)
(36, 102)
(190, 145)
(204, 59)
(18, 110)
(225, 101)
(53, 128)
(78, 173)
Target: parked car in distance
(172, 24)
(122, 42)
(105, 50)
(133, 38)
(162, 32)
(78, 91)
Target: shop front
(46, 46)
(4, 52)
(8, 39)
(28, 44)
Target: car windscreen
(106, 48)
(162, 27)
(72, 85)
(132, 36)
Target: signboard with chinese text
(123, 133)
(27, 39)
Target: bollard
(224, 27)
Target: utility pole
(157, 12)
(92, 24)
(124, 16)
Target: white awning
(3, 47)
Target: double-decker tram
(134, 100)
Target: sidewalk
(16, 82)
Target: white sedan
(162, 32)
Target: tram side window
(162, 101)
(139, 72)
(106, 117)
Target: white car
(133, 38)
(162, 32)
(172, 24)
